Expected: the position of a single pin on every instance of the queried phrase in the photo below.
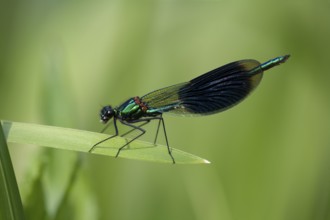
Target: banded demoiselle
(210, 93)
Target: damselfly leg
(137, 127)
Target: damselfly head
(107, 112)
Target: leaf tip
(206, 161)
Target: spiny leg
(126, 133)
(116, 134)
(161, 120)
(168, 146)
(141, 125)
(134, 128)
(146, 121)
(157, 131)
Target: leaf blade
(82, 141)
(10, 200)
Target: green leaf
(80, 140)
(10, 201)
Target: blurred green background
(60, 61)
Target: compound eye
(106, 113)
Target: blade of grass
(11, 205)
(79, 140)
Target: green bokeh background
(60, 61)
